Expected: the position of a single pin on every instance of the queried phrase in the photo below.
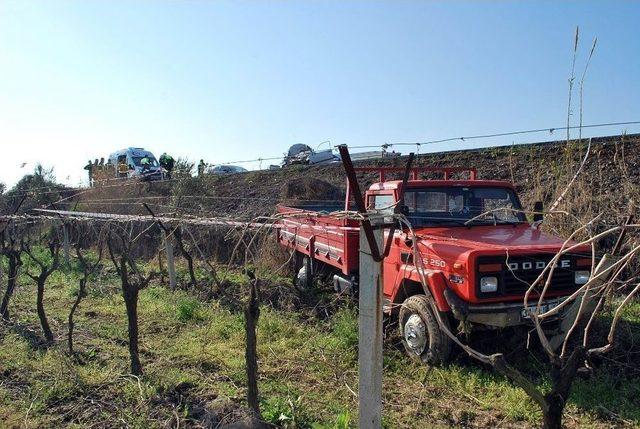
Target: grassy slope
(193, 355)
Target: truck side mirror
(537, 208)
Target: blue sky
(228, 81)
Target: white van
(127, 163)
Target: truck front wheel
(421, 335)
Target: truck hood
(501, 237)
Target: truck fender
(436, 284)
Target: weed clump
(345, 328)
(187, 309)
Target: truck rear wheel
(421, 335)
(303, 279)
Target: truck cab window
(457, 205)
(499, 201)
(385, 203)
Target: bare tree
(251, 315)
(119, 244)
(579, 310)
(586, 302)
(47, 263)
(10, 248)
(88, 268)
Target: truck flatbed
(321, 236)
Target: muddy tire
(421, 335)
(303, 279)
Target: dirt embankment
(539, 171)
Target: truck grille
(516, 277)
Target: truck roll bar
(354, 188)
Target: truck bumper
(501, 315)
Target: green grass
(193, 357)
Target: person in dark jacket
(167, 162)
(89, 168)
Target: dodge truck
(479, 255)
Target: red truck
(478, 267)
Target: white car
(303, 154)
(226, 169)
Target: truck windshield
(458, 205)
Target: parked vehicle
(305, 155)
(478, 266)
(226, 169)
(128, 163)
(374, 154)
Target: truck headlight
(488, 284)
(582, 277)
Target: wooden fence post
(370, 334)
(65, 244)
(171, 267)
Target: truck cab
(477, 257)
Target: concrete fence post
(370, 335)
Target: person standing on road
(167, 162)
(89, 168)
(201, 167)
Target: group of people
(166, 162)
(91, 167)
